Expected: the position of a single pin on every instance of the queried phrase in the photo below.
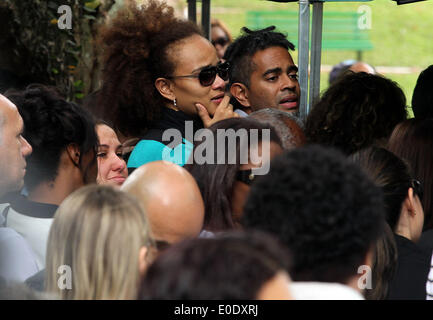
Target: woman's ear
(142, 260)
(73, 152)
(409, 202)
(165, 88)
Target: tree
(37, 43)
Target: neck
(402, 228)
(54, 192)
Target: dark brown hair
(412, 140)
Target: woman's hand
(223, 111)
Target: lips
(118, 179)
(217, 99)
(289, 103)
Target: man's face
(274, 81)
(13, 147)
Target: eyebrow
(274, 70)
(293, 68)
(207, 66)
(107, 146)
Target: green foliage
(401, 35)
(48, 54)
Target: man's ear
(240, 92)
(74, 153)
(165, 88)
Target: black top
(152, 146)
(426, 240)
(413, 266)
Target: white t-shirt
(17, 259)
(323, 291)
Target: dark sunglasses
(207, 75)
(245, 176)
(417, 188)
(221, 41)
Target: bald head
(171, 198)
(13, 147)
(287, 126)
(362, 67)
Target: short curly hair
(323, 207)
(357, 111)
(137, 46)
(240, 53)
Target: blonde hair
(98, 232)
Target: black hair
(232, 266)
(50, 125)
(216, 179)
(322, 207)
(240, 53)
(422, 98)
(391, 174)
(357, 111)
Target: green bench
(340, 29)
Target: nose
(289, 83)
(219, 83)
(26, 148)
(118, 164)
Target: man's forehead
(272, 57)
(7, 108)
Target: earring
(175, 103)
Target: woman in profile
(405, 217)
(160, 73)
(101, 236)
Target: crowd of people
(189, 175)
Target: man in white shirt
(17, 261)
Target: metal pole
(304, 37)
(192, 10)
(205, 18)
(316, 53)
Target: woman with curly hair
(357, 111)
(159, 73)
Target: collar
(172, 119)
(33, 209)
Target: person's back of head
(56, 129)
(391, 174)
(422, 98)
(324, 208)
(232, 266)
(357, 111)
(288, 127)
(100, 243)
(171, 198)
